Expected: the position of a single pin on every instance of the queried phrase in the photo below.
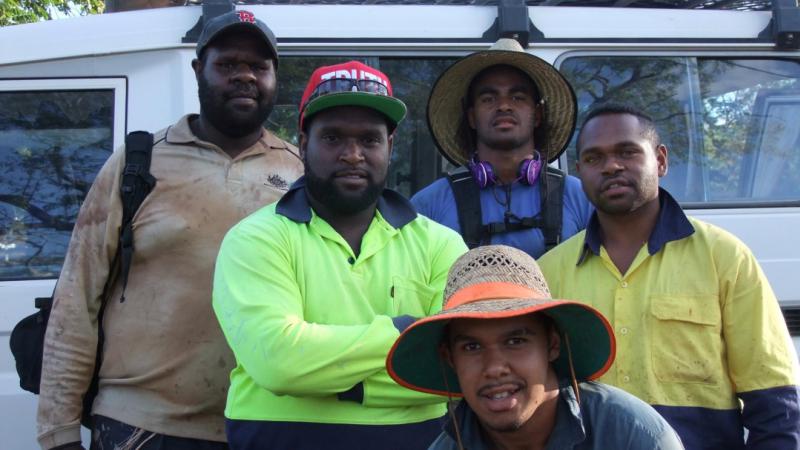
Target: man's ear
(538, 113)
(553, 344)
(302, 144)
(197, 67)
(444, 354)
(390, 142)
(663, 160)
(470, 113)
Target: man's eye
(471, 347)
(486, 99)
(519, 98)
(589, 159)
(329, 138)
(515, 341)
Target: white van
(723, 85)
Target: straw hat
(494, 282)
(445, 104)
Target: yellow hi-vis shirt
(695, 320)
(308, 320)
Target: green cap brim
(392, 108)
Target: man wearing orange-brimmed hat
(504, 115)
(312, 292)
(523, 363)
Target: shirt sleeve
(70, 344)
(761, 359)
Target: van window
(730, 124)
(415, 161)
(52, 144)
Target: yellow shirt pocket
(686, 341)
(412, 297)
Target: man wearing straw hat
(312, 292)
(504, 114)
(522, 362)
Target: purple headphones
(483, 173)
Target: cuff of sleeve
(354, 394)
(403, 322)
(67, 445)
(62, 436)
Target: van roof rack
(513, 20)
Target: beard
(326, 192)
(228, 121)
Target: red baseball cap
(351, 84)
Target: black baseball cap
(236, 19)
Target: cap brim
(414, 360)
(392, 108)
(445, 103)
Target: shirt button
(624, 284)
(351, 260)
(623, 330)
(626, 378)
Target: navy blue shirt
(606, 419)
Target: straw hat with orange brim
(446, 118)
(494, 282)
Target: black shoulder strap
(552, 194)
(468, 205)
(136, 183)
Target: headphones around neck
(483, 173)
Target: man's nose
(243, 73)
(352, 152)
(495, 363)
(612, 165)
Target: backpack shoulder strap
(136, 183)
(552, 195)
(468, 205)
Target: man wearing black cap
(164, 368)
(312, 291)
(504, 115)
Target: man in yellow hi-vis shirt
(698, 327)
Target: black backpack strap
(468, 205)
(552, 195)
(136, 183)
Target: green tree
(14, 12)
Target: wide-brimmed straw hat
(447, 100)
(494, 282)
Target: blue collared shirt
(438, 203)
(607, 418)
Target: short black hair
(646, 123)
(467, 137)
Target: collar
(671, 225)
(568, 431)
(181, 133)
(394, 208)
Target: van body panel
(80, 84)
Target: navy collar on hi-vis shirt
(672, 225)
(395, 208)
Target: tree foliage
(13, 12)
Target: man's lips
(614, 185)
(500, 397)
(504, 121)
(354, 174)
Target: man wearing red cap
(312, 291)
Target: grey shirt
(607, 418)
